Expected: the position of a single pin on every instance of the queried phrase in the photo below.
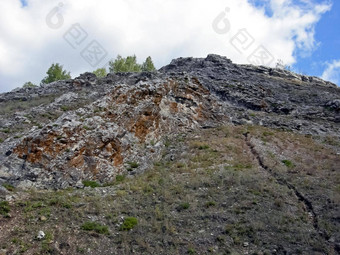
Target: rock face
(63, 133)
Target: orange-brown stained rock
(35, 149)
(200, 113)
(118, 159)
(144, 123)
(174, 107)
(77, 161)
(116, 150)
(121, 99)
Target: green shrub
(4, 208)
(183, 206)
(288, 163)
(129, 223)
(94, 226)
(92, 184)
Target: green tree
(132, 65)
(29, 85)
(148, 65)
(56, 73)
(100, 72)
(128, 64)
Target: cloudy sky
(84, 35)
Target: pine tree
(56, 73)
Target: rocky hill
(203, 156)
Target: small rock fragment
(41, 235)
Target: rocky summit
(201, 157)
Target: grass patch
(92, 184)
(6, 130)
(200, 145)
(65, 108)
(129, 223)
(191, 251)
(10, 107)
(94, 226)
(133, 165)
(4, 208)
(86, 127)
(120, 178)
(9, 187)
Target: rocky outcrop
(60, 134)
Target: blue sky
(302, 33)
(23, 2)
(327, 33)
(327, 36)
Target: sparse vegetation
(65, 108)
(16, 105)
(220, 189)
(120, 178)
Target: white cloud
(164, 29)
(332, 72)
